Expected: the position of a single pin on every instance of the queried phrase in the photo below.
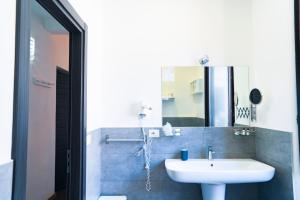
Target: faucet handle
(210, 148)
(210, 152)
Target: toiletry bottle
(184, 154)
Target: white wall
(139, 37)
(60, 44)
(90, 11)
(7, 56)
(273, 70)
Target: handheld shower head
(145, 109)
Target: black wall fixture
(255, 96)
(297, 56)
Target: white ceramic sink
(213, 175)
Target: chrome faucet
(210, 152)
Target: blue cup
(184, 154)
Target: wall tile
(280, 187)
(116, 167)
(120, 147)
(123, 171)
(242, 192)
(224, 142)
(6, 176)
(275, 148)
(161, 190)
(191, 138)
(93, 168)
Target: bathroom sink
(218, 171)
(213, 175)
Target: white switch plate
(154, 133)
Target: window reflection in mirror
(195, 96)
(241, 96)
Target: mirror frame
(297, 58)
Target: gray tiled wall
(6, 175)
(275, 148)
(93, 168)
(123, 172)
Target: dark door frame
(61, 166)
(67, 16)
(297, 57)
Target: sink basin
(218, 171)
(213, 175)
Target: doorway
(62, 132)
(49, 104)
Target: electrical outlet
(154, 133)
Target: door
(49, 48)
(49, 34)
(62, 129)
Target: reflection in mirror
(205, 96)
(183, 96)
(241, 96)
(219, 92)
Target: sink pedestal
(213, 191)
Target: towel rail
(108, 139)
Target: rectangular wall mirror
(196, 96)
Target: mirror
(183, 96)
(195, 96)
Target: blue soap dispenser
(184, 153)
